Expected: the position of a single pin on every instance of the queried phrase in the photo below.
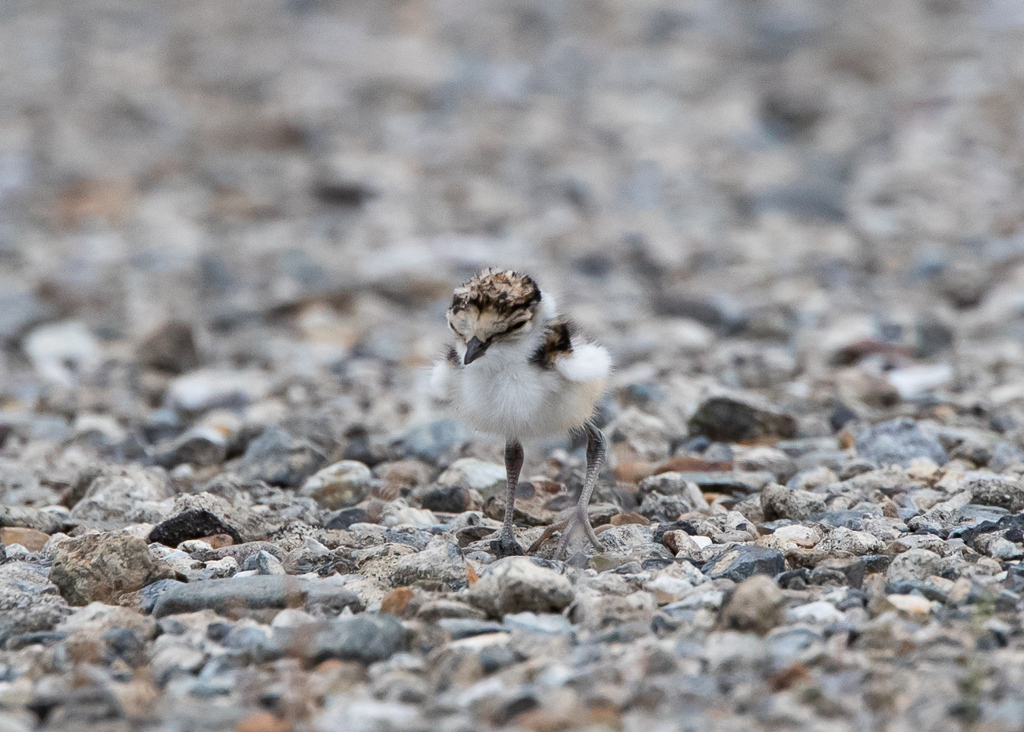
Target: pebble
(519, 584)
(744, 561)
(240, 595)
(899, 442)
(733, 419)
(277, 458)
(341, 485)
(757, 605)
(206, 389)
(102, 567)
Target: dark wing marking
(557, 342)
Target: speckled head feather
(493, 305)
(504, 292)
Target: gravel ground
(228, 232)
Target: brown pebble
(621, 519)
(396, 600)
(217, 541)
(31, 539)
(263, 722)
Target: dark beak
(474, 350)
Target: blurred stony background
(228, 232)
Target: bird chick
(519, 370)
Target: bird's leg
(596, 448)
(506, 544)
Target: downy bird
(520, 370)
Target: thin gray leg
(506, 544)
(596, 450)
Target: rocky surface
(227, 238)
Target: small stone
(848, 541)
(199, 446)
(757, 604)
(362, 638)
(192, 524)
(898, 442)
(801, 536)
(440, 565)
(277, 458)
(171, 348)
(263, 563)
(995, 490)
(518, 584)
(480, 475)
(637, 436)
(1004, 456)
(216, 541)
(29, 602)
(780, 502)
(237, 596)
(102, 567)
(430, 442)
(679, 543)
(262, 722)
(341, 485)
(675, 484)
(916, 564)
(744, 561)
(124, 496)
(205, 389)
(816, 612)
(454, 499)
(395, 602)
(731, 419)
(31, 539)
(345, 518)
(911, 604)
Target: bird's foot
(506, 546)
(578, 521)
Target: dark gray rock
(29, 602)
(29, 517)
(731, 419)
(200, 446)
(899, 441)
(237, 595)
(277, 458)
(346, 517)
(742, 562)
(430, 442)
(363, 638)
(171, 348)
(458, 628)
(996, 490)
(191, 524)
(453, 499)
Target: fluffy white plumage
(505, 393)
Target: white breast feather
(587, 362)
(504, 394)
